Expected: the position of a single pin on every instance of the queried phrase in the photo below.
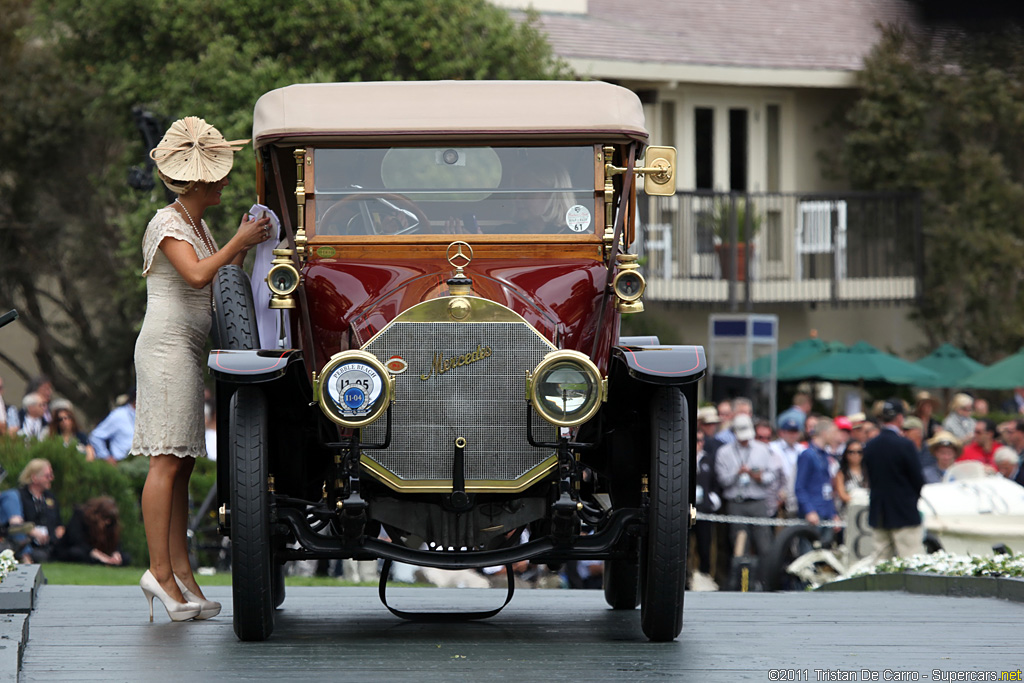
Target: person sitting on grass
(33, 511)
(93, 535)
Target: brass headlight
(629, 285)
(355, 388)
(566, 388)
(283, 279)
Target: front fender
(251, 366)
(672, 365)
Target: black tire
(663, 568)
(252, 561)
(279, 573)
(784, 550)
(622, 584)
(234, 324)
(932, 544)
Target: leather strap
(442, 616)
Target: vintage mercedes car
(453, 265)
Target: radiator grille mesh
(483, 401)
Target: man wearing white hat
(744, 470)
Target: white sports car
(971, 512)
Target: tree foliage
(58, 251)
(74, 69)
(942, 112)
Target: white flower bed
(951, 565)
(7, 563)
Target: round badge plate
(578, 218)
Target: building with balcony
(744, 90)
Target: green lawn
(59, 573)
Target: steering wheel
(394, 203)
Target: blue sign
(764, 328)
(730, 328)
(354, 398)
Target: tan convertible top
(394, 110)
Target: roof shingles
(778, 34)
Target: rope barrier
(765, 521)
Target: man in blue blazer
(894, 470)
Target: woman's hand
(103, 558)
(252, 232)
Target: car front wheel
(252, 561)
(663, 569)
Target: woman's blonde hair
(554, 177)
(34, 467)
(558, 204)
(179, 187)
(961, 401)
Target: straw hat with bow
(193, 151)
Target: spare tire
(234, 314)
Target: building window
(772, 147)
(738, 150)
(668, 124)
(704, 143)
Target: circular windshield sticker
(578, 218)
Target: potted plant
(726, 209)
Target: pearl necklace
(200, 233)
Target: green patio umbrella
(1006, 374)
(794, 353)
(951, 365)
(861, 362)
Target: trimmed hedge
(76, 481)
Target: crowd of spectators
(810, 466)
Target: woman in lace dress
(180, 260)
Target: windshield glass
(450, 190)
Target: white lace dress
(169, 350)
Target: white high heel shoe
(208, 608)
(177, 611)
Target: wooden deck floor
(103, 634)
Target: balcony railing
(802, 247)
